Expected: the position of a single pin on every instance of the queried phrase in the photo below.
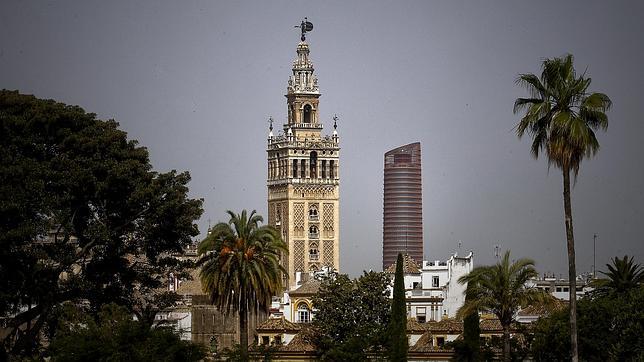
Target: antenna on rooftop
(594, 265)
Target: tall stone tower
(303, 180)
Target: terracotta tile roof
(540, 310)
(449, 325)
(278, 325)
(415, 327)
(493, 325)
(310, 287)
(490, 325)
(302, 342)
(410, 266)
(191, 287)
(424, 344)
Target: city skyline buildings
(195, 83)
(402, 230)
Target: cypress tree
(398, 323)
(472, 335)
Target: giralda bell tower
(303, 180)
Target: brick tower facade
(303, 179)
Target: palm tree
(501, 289)
(562, 117)
(623, 276)
(240, 267)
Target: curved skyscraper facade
(403, 205)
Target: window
(435, 282)
(440, 341)
(313, 165)
(313, 254)
(421, 318)
(303, 169)
(313, 213)
(307, 113)
(323, 168)
(331, 169)
(303, 313)
(294, 168)
(416, 285)
(278, 339)
(558, 289)
(265, 340)
(313, 232)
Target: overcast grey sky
(195, 82)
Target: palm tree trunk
(572, 273)
(506, 343)
(243, 324)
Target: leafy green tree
(562, 117)
(398, 342)
(611, 328)
(83, 218)
(622, 276)
(351, 316)
(240, 267)
(115, 336)
(501, 289)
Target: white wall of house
(435, 293)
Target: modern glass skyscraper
(403, 205)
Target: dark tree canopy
(115, 336)
(82, 217)
(611, 328)
(351, 316)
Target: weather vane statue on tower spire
(305, 26)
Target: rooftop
(410, 266)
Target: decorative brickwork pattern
(317, 191)
(328, 253)
(298, 255)
(271, 214)
(298, 219)
(284, 220)
(327, 224)
(277, 192)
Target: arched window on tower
(314, 254)
(313, 161)
(313, 213)
(295, 169)
(307, 113)
(314, 233)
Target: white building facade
(432, 290)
